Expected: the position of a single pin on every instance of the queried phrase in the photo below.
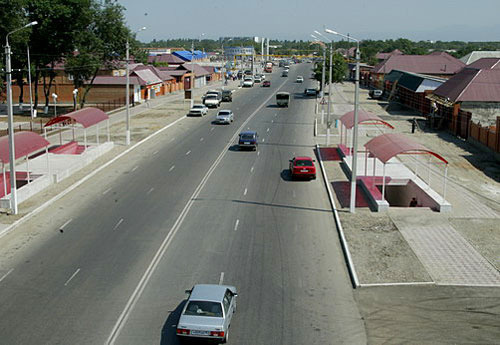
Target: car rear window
(224, 112)
(303, 163)
(204, 308)
(247, 136)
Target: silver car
(224, 117)
(208, 312)
(198, 110)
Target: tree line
(81, 36)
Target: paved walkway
(447, 256)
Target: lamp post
(54, 97)
(328, 120)
(32, 113)
(10, 117)
(127, 90)
(352, 205)
(321, 94)
(75, 93)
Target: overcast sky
(434, 20)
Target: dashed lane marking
(221, 278)
(187, 153)
(62, 226)
(106, 191)
(6, 274)
(72, 276)
(135, 168)
(118, 224)
(149, 191)
(236, 224)
(171, 168)
(245, 192)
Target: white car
(208, 312)
(257, 79)
(212, 100)
(224, 117)
(198, 110)
(248, 82)
(300, 79)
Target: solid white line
(245, 192)
(74, 274)
(155, 152)
(118, 224)
(171, 168)
(69, 221)
(122, 319)
(221, 279)
(6, 274)
(152, 189)
(135, 168)
(201, 139)
(397, 284)
(188, 152)
(106, 191)
(236, 224)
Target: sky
(433, 20)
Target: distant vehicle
(284, 73)
(310, 92)
(375, 94)
(300, 79)
(302, 167)
(208, 312)
(212, 100)
(262, 76)
(224, 117)
(269, 67)
(287, 66)
(198, 110)
(282, 99)
(266, 83)
(248, 72)
(257, 78)
(248, 139)
(227, 95)
(248, 81)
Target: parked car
(266, 83)
(198, 110)
(375, 94)
(300, 79)
(310, 92)
(248, 139)
(302, 167)
(224, 117)
(208, 312)
(227, 95)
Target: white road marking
(155, 152)
(201, 139)
(258, 153)
(74, 274)
(188, 152)
(251, 169)
(118, 224)
(211, 129)
(236, 224)
(135, 168)
(171, 168)
(6, 274)
(141, 285)
(62, 226)
(149, 191)
(173, 139)
(106, 191)
(245, 192)
(272, 121)
(263, 139)
(221, 279)
(267, 130)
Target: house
(214, 73)
(165, 60)
(476, 55)
(438, 64)
(384, 56)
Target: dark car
(266, 83)
(227, 95)
(248, 140)
(310, 92)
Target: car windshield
(247, 136)
(204, 308)
(223, 113)
(282, 96)
(211, 97)
(198, 106)
(303, 163)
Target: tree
(339, 69)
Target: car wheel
(226, 337)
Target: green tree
(339, 69)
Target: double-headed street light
(321, 94)
(352, 205)
(127, 90)
(10, 118)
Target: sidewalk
(418, 245)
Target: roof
(472, 85)
(171, 59)
(87, 117)
(110, 80)
(486, 63)
(383, 56)
(436, 63)
(163, 75)
(416, 82)
(386, 146)
(209, 292)
(147, 76)
(363, 116)
(24, 144)
(476, 55)
(187, 55)
(197, 69)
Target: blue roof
(186, 54)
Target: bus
(282, 99)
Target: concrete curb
(80, 182)
(343, 242)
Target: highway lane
(274, 239)
(70, 287)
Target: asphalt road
(186, 208)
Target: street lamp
(10, 117)
(127, 90)
(321, 94)
(54, 97)
(352, 205)
(75, 93)
(32, 113)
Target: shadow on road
(168, 336)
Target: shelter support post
(107, 125)
(48, 163)
(28, 168)
(374, 165)
(445, 180)
(45, 132)
(366, 162)
(97, 134)
(60, 135)
(4, 180)
(341, 130)
(85, 138)
(383, 183)
(73, 130)
(429, 172)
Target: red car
(302, 167)
(266, 83)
